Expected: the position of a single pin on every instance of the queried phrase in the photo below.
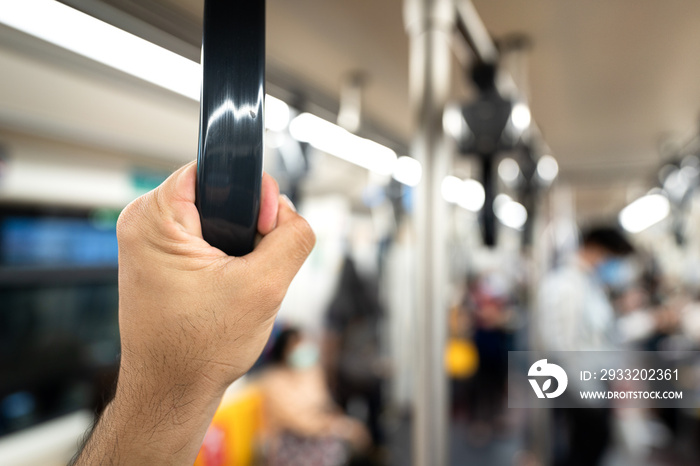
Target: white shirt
(573, 311)
(574, 314)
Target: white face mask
(304, 356)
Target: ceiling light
(547, 168)
(500, 200)
(408, 171)
(665, 171)
(87, 36)
(644, 212)
(521, 116)
(676, 184)
(451, 189)
(276, 114)
(332, 139)
(473, 196)
(690, 165)
(508, 170)
(512, 214)
(453, 122)
(274, 140)
(468, 194)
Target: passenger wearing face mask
(306, 427)
(574, 313)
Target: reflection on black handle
(231, 131)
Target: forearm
(164, 426)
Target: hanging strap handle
(232, 128)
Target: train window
(59, 336)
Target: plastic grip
(231, 128)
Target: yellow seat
(235, 434)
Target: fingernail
(289, 202)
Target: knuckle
(130, 221)
(272, 292)
(275, 287)
(276, 295)
(304, 235)
(158, 199)
(126, 220)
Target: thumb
(165, 215)
(175, 199)
(282, 252)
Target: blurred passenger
(306, 428)
(351, 350)
(574, 313)
(574, 310)
(489, 300)
(641, 325)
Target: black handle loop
(232, 128)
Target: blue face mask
(613, 272)
(304, 356)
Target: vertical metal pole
(430, 24)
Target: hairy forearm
(146, 426)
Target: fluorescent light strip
(276, 114)
(408, 171)
(89, 37)
(70, 29)
(332, 139)
(644, 212)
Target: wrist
(174, 371)
(151, 399)
(154, 424)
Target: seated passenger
(306, 427)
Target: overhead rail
(472, 28)
(430, 25)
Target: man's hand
(192, 319)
